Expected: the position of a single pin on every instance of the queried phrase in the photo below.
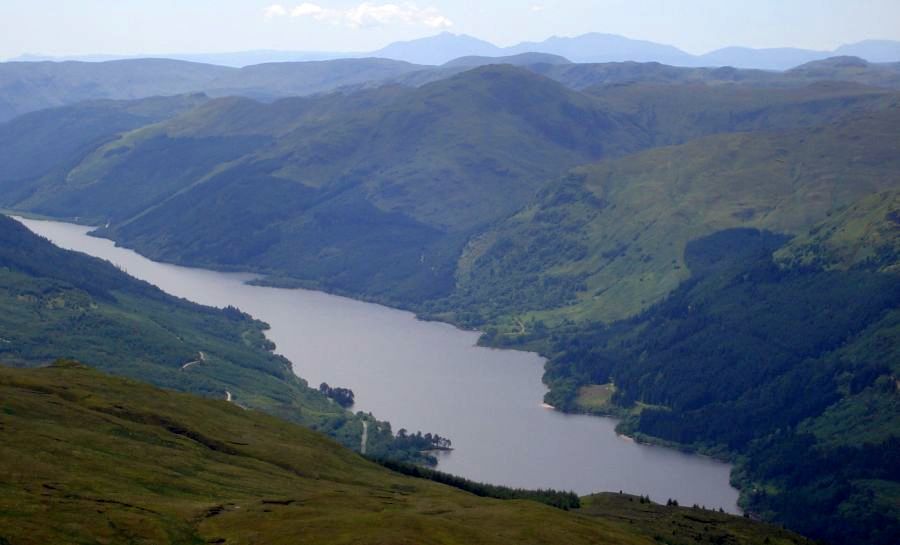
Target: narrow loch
(432, 377)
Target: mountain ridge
(593, 47)
(30, 86)
(430, 165)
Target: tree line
(554, 498)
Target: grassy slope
(87, 458)
(619, 228)
(685, 525)
(864, 234)
(57, 303)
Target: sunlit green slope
(87, 458)
(55, 303)
(610, 239)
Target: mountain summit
(439, 49)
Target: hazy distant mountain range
(588, 48)
(31, 86)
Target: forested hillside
(61, 304)
(789, 362)
(609, 240)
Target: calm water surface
(431, 377)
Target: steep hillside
(788, 365)
(38, 147)
(372, 192)
(609, 240)
(57, 303)
(866, 234)
(89, 458)
(375, 193)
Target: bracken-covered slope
(87, 458)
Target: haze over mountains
(587, 48)
(30, 86)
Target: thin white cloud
(307, 9)
(366, 14)
(537, 8)
(275, 10)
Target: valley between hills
(710, 255)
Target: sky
(125, 27)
